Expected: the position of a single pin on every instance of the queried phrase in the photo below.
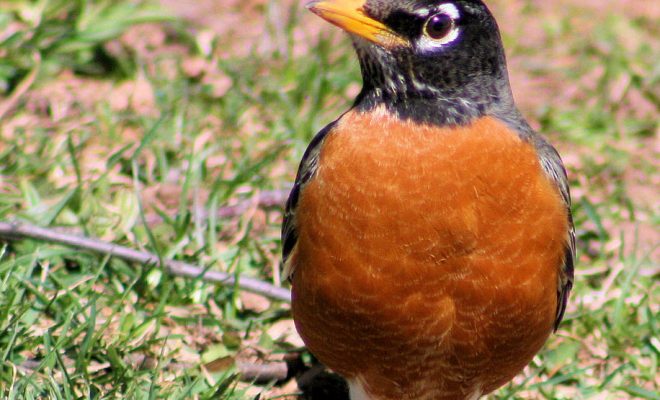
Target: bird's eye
(441, 28)
(438, 26)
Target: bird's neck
(440, 111)
(426, 95)
(427, 104)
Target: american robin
(428, 236)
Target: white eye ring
(426, 42)
(449, 9)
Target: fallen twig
(248, 372)
(265, 199)
(271, 371)
(7, 104)
(18, 230)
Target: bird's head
(435, 61)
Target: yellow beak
(349, 15)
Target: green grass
(111, 133)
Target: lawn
(175, 129)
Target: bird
(428, 236)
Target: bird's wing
(554, 169)
(306, 171)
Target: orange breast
(427, 259)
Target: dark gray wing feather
(306, 170)
(554, 169)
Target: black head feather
(431, 81)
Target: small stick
(9, 103)
(265, 199)
(18, 230)
(249, 372)
(271, 371)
